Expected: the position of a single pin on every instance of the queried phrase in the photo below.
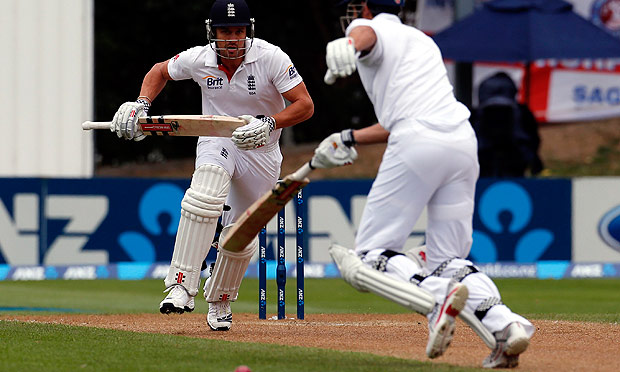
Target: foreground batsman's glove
(335, 150)
(340, 58)
(125, 122)
(255, 134)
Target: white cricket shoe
(219, 317)
(177, 301)
(441, 324)
(511, 341)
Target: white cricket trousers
(253, 172)
(423, 167)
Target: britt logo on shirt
(251, 85)
(213, 82)
(292, 72)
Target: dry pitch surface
(556, 346)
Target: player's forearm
(295, 113)
(372, 134)
(364, 38)
(155, 80)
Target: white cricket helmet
(229, 13)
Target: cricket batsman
(243, 76)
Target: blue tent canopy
(524, 31)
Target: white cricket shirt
(405, 77)
(255, 88)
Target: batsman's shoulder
(265, 48)
(191, 55)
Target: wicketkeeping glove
(255, 134)
(125, 122)
(335, 150)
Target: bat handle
(301, 173)
(88, 125)
(329, 78)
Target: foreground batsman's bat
(180, 125)
(258, 214)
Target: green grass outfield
(29, 346)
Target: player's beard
(234, 50)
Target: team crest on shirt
(213, 82)
(251, 85)
(291, 71)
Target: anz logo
(506, 210)
(162, 199)
(24, 221)
(609, 228)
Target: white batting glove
(255, 134)
(333, 152)
(125, 122)
(340, 58)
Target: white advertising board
(596, 220)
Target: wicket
(281, 263)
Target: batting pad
(228, 271)
(476, 325)
(201, 206)
(364, 278)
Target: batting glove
(335, 150)
(340, 58)
(255, 134)
(125, 122)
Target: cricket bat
(258, 214)
(180, 125)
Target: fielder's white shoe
(177, 301)
(219, 317)
(511, 341)
(441, 324)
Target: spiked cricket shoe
(441, 324)
(510, 343)
(177, 301)
(219, 317)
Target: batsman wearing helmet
(239, 75)
(430, 161)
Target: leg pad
(366, 279)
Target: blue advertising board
(102, 221)
(522, 220)
(88, 221)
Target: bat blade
(180, 125)
(261, 211)
(190, 125)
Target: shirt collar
(211, 57)
(388, 17)
(252, 55)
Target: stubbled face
(231, 41)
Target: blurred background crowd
(125, 51)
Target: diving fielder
(430, 160)
(239, 75)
